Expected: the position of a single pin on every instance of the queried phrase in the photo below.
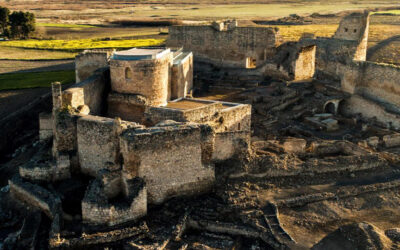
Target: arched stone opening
(128, 74)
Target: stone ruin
(258, 52)
(132, 126)
(130, 134)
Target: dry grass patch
(73, 45)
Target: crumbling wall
(349, 43)
(182, 76)
(355, 27)
(149, 78)
(98, 144)
(127, 107)
(98, 210)
(35, 196)
(375, 81)
(65, 134)
(332, 56)
(233, 117)
(222, 116)
(377, 85)
(229, 144)
(304, 65)
(154, 115)
(89, 61)
(91, 92)
(230, 47)
(171, 160)
(45, 126)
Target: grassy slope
(35, 80)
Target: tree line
(17, 24)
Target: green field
(35, 80)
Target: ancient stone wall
(231, 47)
(182, 76)
(89, 61)
(375, 91)
(349, 43)
(171, 160)
(149, 78)
(332, 55)
(229, 144)
(98, 144)
(353, 27)
(154, 115)
(222, 116)
(375, 81)
(233, 117)
(304, 65)
(127, 107)
(35, 196)
(65, 134)
(45, 126)
(98, 210)
(90, 92)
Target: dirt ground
(12, 100)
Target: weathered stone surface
(89, 61)
(45, 126)
(98, 144)
(169, 159)
(232, 47)
(98, 210)
(35, 196)
(149, 78)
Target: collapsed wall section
(98, 209)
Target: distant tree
(4, 18)
(22, 24)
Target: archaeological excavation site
(227, 137)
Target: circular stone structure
(142, 72)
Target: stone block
(391, 141)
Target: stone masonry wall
(127, 107)
(228, 144)
(231, 47)
(154, 115)
(98, 144)
(378, 85)
(169, 159)
(233, 118)
(88, 62)
(373, 80)
(182, 77)
(90, 92)
(97, 210)
(304, 65)
(149, 78)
